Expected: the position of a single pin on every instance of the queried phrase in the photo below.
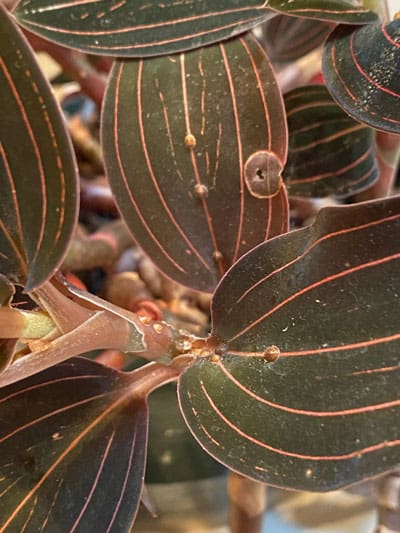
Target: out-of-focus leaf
(37, 171)
(326, 413)
(170, 438)
(343, 11)
(329, 153)
(194, 145)
(139, 28)
(72, 446)
(361, 69)
(289, 38)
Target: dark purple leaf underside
(329, 153)
(183, 139)
(37, 170)
(139, 28)
(361, 69)
(343, 11)
(72, 448)
(289, 38)
(326, 413)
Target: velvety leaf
(139, 28)
(290, 38)
(329, 153)
(194, 145)
(72, 445)
(326, 413)
(37, 170)
(361, 69)
(343, 11)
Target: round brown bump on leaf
(217, 255)
(262, 173)
(271, 353)
(201, 191)
(190, 141)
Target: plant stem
(95, 333)
(15, 323)
(85, 323)
(389, 503)
(151, 376)
(85, 143)
(96, 195)
(75, 64)
(388, 154)
(247, 504)
(101, 248)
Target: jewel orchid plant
(296, 383)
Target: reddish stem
(75, 64)
(247, 504)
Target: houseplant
(195, 146)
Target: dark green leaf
(37, 171)
(361, 69)
(329, 153)
(343, 11)
(326, 413)
(194, 145)
(289, 38)
(139, 28)
(72, 447)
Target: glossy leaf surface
(194, 145)
(72, 447)
(361, 69)
(326, 413)
(290, 38)
(329, 153)
(343, 11)
(37, 171)
(139, 28)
